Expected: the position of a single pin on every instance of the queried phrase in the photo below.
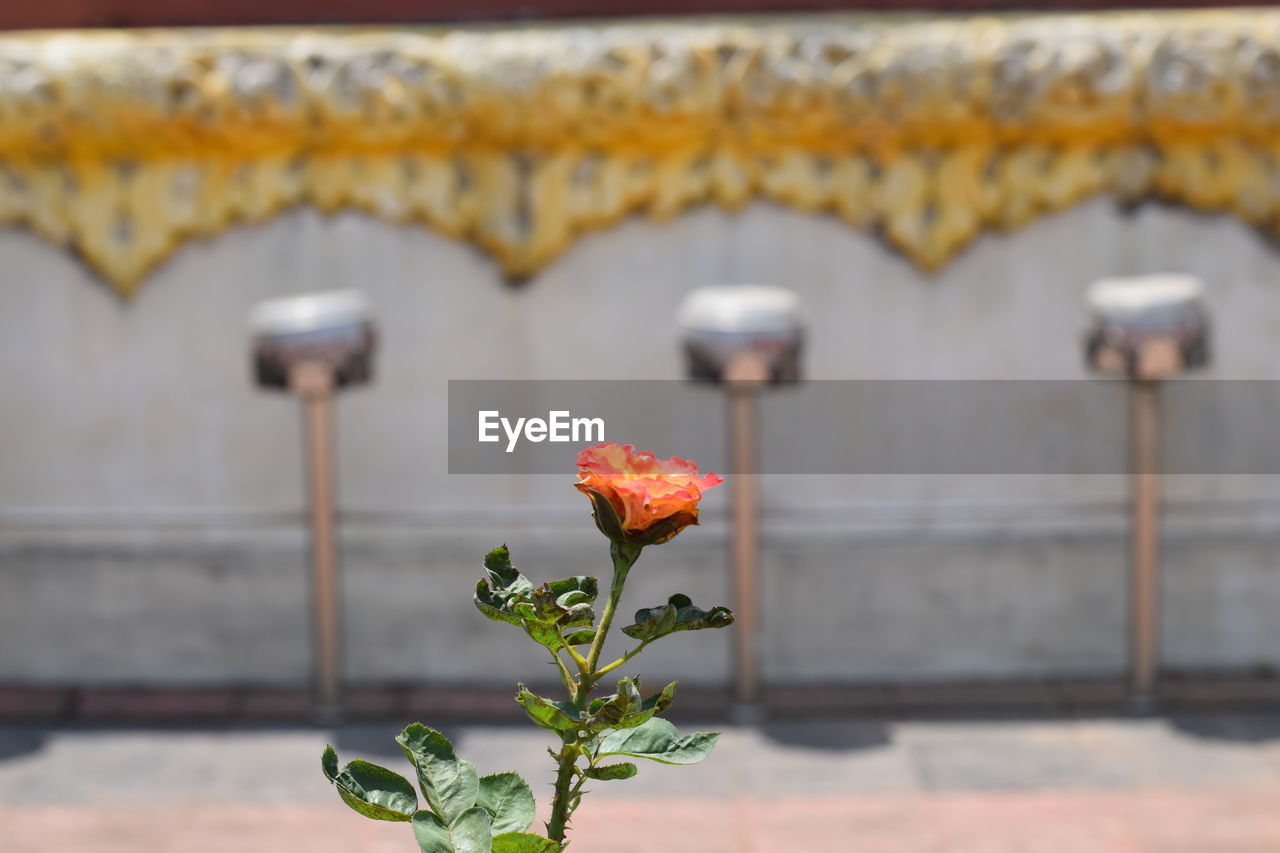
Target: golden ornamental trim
(120, 145)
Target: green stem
(624, 557)
(568, 757)
(565, 675)
(578, 659)
(620, 661)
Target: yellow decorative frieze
(119, 145)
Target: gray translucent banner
(912, 427)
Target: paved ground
(1188, 784)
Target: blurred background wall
(151, 496)
(151, 527)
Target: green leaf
(493, 605)
(524, 842)
(660, 702)
(329, 763)
(581, 637)
(431, 834)
(503, 574)
(450, 785)
(609, 712)
(567, 602)
(544, 633)
(502, 587)
(470, 833)
(678, 614)
(549, 715)
(508, 800)
(373, 791)
(624, 770)
(653, 706)
(657, 740)
(505, 595)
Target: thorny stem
(562, 804)
(567, 757)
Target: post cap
(308, 312)
(1147, 299)
(723, 323)
(333, 330)
(743, 308)
(1147, 327)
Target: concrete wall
(150, 525)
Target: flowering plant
(637, 500)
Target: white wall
(150, 494)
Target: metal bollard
(1145, 329)
(743, 337)
(311, 346)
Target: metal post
(744, 377)
(1146, 328)
(1144, 430)
(313, 382)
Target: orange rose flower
(638, 497)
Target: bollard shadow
(1237, 728)
(832, 735)
(17, 741)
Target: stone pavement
(1185, 784)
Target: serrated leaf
(329, 763)
(470, 833)
(371, 790)
(508, 800)
(431, 834)
(549, 715)
(624, 770)
(678, 614)
(449, 784)
(524, 842)
(657, 740)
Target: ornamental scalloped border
(121, 145)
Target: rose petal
(643, 489)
